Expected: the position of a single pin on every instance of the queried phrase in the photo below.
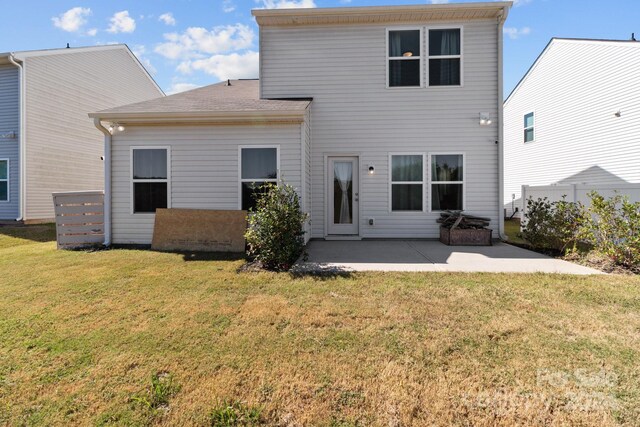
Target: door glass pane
(406, 168)
(404, 43)
(342, 192)
(446, 167)
(3, 169)
(150, 164)
(259, 163)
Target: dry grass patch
(85, 334)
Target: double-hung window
(528, 127)
(407, 182)
(150, 179)
(445, 57)
(404, 53)
(447, 182)
(258, 165)
(4, 180)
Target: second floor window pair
(444, 56)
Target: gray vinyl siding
(9, 148)
(575, 89)
(63, 147)
(344, 69)
(204, 168)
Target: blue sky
(188, 43)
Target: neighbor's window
(445, 57)
(528, 127)
(150, 179)
(404, 58)
(447, 182)
(257, 166)
(407, 182)
(4, 180)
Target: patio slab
(430, 255)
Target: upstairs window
(257, 166)
(4, 180)
(445, 57)
(404, 58)
(447, 182)
(150, 179)
(528, 127)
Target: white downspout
(107, 180)
(501, 21)
(21, 140)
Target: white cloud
(439, 1)
(287, 4)
(72, 20)
(197, 42)
(167, 18)
(121, 22)
(92, 32)
(228, 6)
(521, 2)
(231, 66)
(181, 87)
(515, 33)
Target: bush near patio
(609, 226)
(275, 236)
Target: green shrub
(235, 414)
(613, 228)
(553, 226)
(275, 236)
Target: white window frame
(391, 182)
(429, 57)
(403, 58)
(525, 128)
(8, 180)
(134, 181)
(463, 182)
(241, 180)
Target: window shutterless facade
(447, 182)
(150, 179)
(404, 53)
(445, 57)
(258, 165)
(407, 182)
(529, 133)
(4, 180)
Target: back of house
(47, 142)
(380, 117)
(574, 119)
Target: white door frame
(332, 230)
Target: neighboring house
(574, 118)
(380, 117)
(47, 143)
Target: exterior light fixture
(120, 128)
(115, 126)
(485, 119)
(372, 169)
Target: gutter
(501, 21)
(21, 139)
(107, 180)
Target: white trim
(241, 180)
(532, 127)
(463, 182)
(325, 180)
(356, 178)
(7, 180)
(402, 58)
(429, 57)
(391, 182)
(133, 181)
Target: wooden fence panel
(79, 219)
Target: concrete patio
(430, 255)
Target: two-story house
(47, 143)
(381, 117)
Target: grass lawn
(126, 337)
(512, 229)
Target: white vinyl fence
(578, 192)
(79, 219)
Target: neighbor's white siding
(344, 69)
(63, 146)
(9, 147)
(204, 168)
(575, 90)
